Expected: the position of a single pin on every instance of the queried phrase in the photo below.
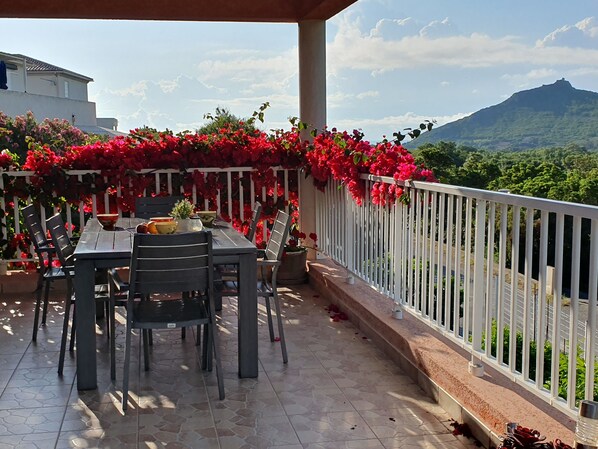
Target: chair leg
(46, 300)
(269, 313)
(183, 333)
(73, 328)
(112, 315)
(283, 345)
(108, 317)
(126, 367)
(205, 348)
(198, 333)
(146, 336)
(65, 328)
(38, 302)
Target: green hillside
(547, 116)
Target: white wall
(52, 84)
(18, 103)
(16, 79)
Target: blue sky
(390, 65)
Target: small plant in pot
(293, 269)
(184, 213)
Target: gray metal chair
(45, 254)
(269, 264)
(178, 264)
(154, 206)
(65, 253)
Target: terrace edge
(439, 366)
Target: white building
(51, 92)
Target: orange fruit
(151, 228)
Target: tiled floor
(337, 391)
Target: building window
(66, 89)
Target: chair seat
(170, 313)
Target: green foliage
(19, 134)
(563, 362)
(223, 118)
(568, 173)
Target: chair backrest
(34, 228)
(171, 263)
(61, 240)
(278, 236)
(154, 206)
(257, 211)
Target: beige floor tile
(25, 421)
(29, 441)
(314, 401)
(338, 391)
(329, 427)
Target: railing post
(399, 261)
(479, 297)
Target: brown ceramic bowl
(107, 220)
(161, 219)
(166, 227)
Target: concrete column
(312, 106)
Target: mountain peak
(561, 84)
(548, 116)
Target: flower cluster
(8, 160)
(16, 134)
(115, 167)
(344, 157)
(519, 437)
(297, 240)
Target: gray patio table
(98, 248)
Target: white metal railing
(236, 184)
(486, 269)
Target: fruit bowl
(166, 227)
(107, 221)
(161, 219)
(207, 217)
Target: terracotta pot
(293, 269)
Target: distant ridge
(553, 115)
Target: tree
(443, 158)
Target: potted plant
(184, 213)
(293, 269)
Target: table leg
(248, 351)
(85, 309)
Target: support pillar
(312, 107)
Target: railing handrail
(512, 199)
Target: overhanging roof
(188, 10)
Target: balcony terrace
(338, 390)
(372, 245)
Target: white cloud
(584, 34)
(368, 94)
(395, 29)
(266, 74)
(392, 123)
(438, 29)
(382, 49)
